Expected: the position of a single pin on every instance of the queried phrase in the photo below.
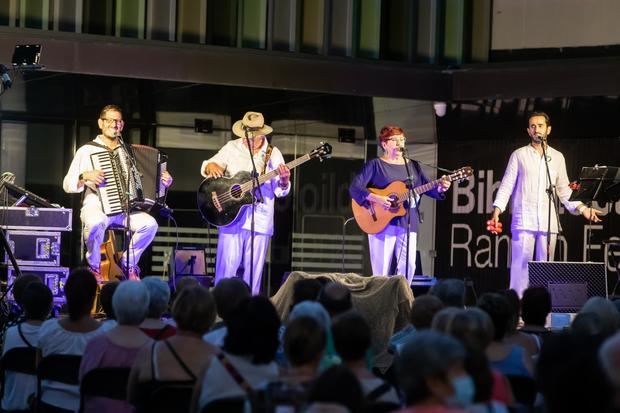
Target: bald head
(228, 293)
(336, 298)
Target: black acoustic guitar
(220, 199)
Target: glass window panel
(312, 25)
(284, 25)
(454, 32)
(5, 12)
(99, 17)
(369, 39)
(254, 24)
(396, 23)
(35, 14)
(68, 15)
(161, 20)
(427, 23)
(222, 22)
(130, 16)
(341, 28)
(192, 21)
(481, 30)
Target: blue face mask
(464, 391)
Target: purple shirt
(379, 174)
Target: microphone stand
(410, 198)
(255, 190)
(552, 199)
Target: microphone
(4, 76)
(402, 149)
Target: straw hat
(252, 122)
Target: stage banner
(463, 245)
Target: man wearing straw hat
(234, 244)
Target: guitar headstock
(461, 174)
(323, 151)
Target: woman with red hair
(391, 242)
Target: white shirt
(235, 157)
(82, 163)
(526, 180)
(53, 339)
(19, 386)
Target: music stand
(600, 184)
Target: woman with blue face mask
(432, 375)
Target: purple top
(379, 174)
(101, 352)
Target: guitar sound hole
(235, 191)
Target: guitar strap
(418, 172)
(267, 157)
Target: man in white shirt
(82, 177)
(234, 243)
(526, 181)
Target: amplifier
(54, 277)
(33, 218)
(569, 283)
(34, 247)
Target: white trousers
(95, 222)
(523, 246)
(232, 248)
(392, 243)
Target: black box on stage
(40, 219)
(54, 277)
(34, 247)
(189, 260)
(569, 283)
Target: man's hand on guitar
(285, 175)
(213, 170)
(384, 201)
(97, 177)
(444, 184)
(166, 179)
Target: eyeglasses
(397, 139)
(112, 121)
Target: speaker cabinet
(569, 283)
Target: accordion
(138, 186)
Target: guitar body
(222, 214)
(373, 218)
(109, 267)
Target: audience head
(451, 292)
(472, 327)
(569, 374)
(588, 324)
(304, 341)
(306, 289)
(609, 356)
(20, 285)
(535, 306)
(105, 297)
(515, 308)
(184, 282)
(352, 336)
(313, 310)
(36, 300)
(193, 310)
(423, 310)
(430, 368)
(80, 292)
(498, 308)
(336, 298)
(340, 386)
(253, 330)
(606, 311)
(130, 303)
(228, 293)
(159, 296)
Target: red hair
(388, 131)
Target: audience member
(352, 338)
(588, 324)
(609, 356)
(105, 297)
(570, 376)
(423, 310)
(306, 289)
(509, 359)
(19, 388)
(159, 297)
(514, 336)
(336, 388)
(451, 292)
(535, 308)
(119, 346)
(249, 349)
(228, 293)
(335, 298)
(182, 358)
(16, 311)
(69, 335)
(606, 311)
(432, 375)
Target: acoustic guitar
(109, 267)
(373, 218)
(220, 200)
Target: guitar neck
(420, 189)
(292, 164)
